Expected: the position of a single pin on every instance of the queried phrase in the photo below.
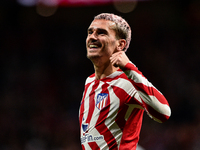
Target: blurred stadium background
(43, 68)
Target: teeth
(93, 46)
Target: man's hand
(119, 59)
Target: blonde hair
(122, 29)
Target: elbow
(162, 116)
(165, 115)
(161, 119)
(165, 118)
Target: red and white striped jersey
(111, 110)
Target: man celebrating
(117, 94)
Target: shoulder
(121, 80)
(122, 84)
(90, 79)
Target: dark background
(43, 68)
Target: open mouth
(94, 45)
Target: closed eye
(101, 31)
(90, 31)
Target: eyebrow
(98, 29)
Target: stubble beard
(94, 58)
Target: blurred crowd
(44, 66)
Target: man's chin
(92, 56)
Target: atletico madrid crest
(102, 100)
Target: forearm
(153, 100)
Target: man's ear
(121, 44)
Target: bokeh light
(27, 2)
(125, 6)
(46, 10)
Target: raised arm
(153, 100)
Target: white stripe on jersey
(125, 85)
(100, 143)
(114, 128)
(154, 103)
(137, 97)
(87, 147)
(138, 78)
(95, 114)
(89, 80)
(114, 74)
(86, 105)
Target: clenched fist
(119, 59)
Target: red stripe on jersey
(131, 131)
(151, 91)
(93, 145)
(91, 76)
(130, 66)
(92, 101)
(102, 103)
(83, 148)
(120, 120)
(82, 105)
(101, 127)
(109, 79)
(122, 95)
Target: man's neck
(103, 71)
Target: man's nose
(93, 36)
